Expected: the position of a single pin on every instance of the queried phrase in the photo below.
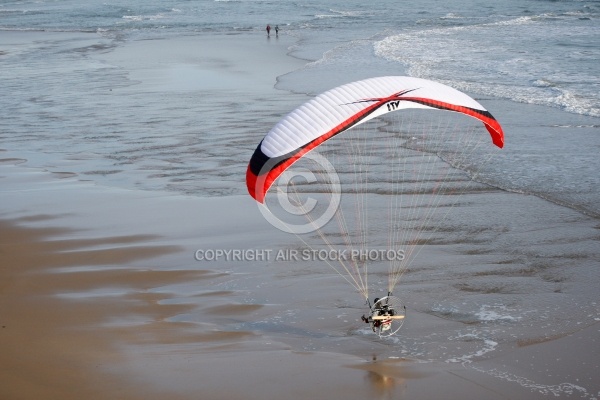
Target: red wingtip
(253, 183)
(497, 134)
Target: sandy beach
(102, 295)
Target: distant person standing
(276, 30)
(268, 30)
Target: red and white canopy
(341, 108)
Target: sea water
(533, 64)
(542, 53)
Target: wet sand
(101, 297)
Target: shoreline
(105, 299)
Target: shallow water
(537, 52)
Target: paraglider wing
(339, 109)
